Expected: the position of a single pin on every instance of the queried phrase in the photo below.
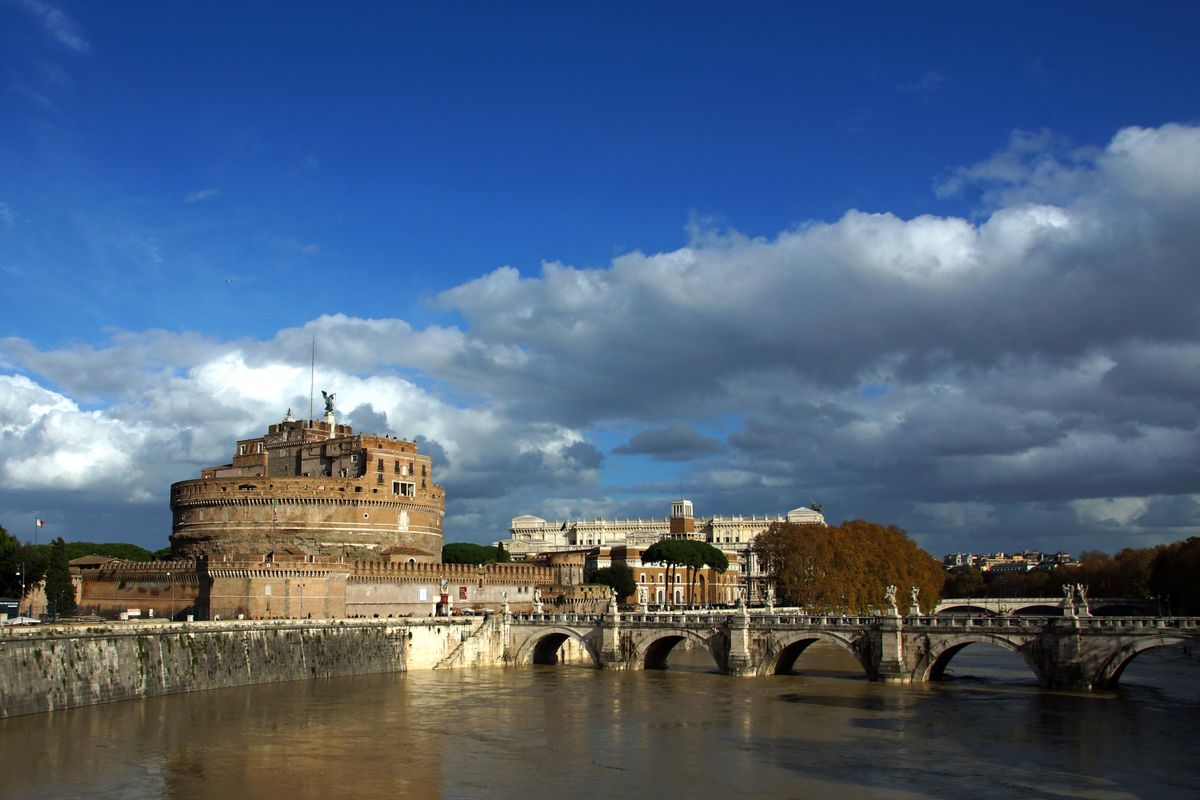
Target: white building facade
(530, 535)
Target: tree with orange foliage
(846, 567)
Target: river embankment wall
(69, 666)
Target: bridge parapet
(565, 618)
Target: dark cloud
(433, 449)
(583, 455)
(365, 419)
(675, 442)
(1181, 513)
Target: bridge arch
(1037, 610)
(781, 660)
(967, 610)
(655, 650)
(1109, 674)
(941, 654)
(542, 647)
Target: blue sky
(929, 265)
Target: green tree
(673, 553)
(619, 577)
(690, 554)
(467, 553)
(1173, 577)
(963, 582)
(60, 595)
(502, 556)
(705, 555)
(16, 561)
(121, 550)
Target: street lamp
(172, 611)
(21, 575)
(301, 585)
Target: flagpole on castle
(38, 522)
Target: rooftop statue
(328, 401)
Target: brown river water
(576, 732)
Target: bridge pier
(1061, 659)
(892, 666)
(610, 642)
(737, 662)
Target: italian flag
(41, 523)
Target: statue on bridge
(770, 598)
(914, 608)
(1068, 600)
(643, 599)
(1081, 594)
(504, 607)
(889, 601)
(537, 600)
(612, 601)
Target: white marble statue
(889, 599)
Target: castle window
(422, 470)
(241, 449)
(396, 466)
(379, 465)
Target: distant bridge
(1064, 652)
(1044, 606)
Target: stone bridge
(1044, 606)
(1064, 652)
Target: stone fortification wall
(323, 589)
(62, 667)
(158, 589)
(414, 589)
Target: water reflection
(823, 731)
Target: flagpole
(312, 376)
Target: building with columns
(531, 536)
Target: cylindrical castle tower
(312, 487)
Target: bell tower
(682, 518)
